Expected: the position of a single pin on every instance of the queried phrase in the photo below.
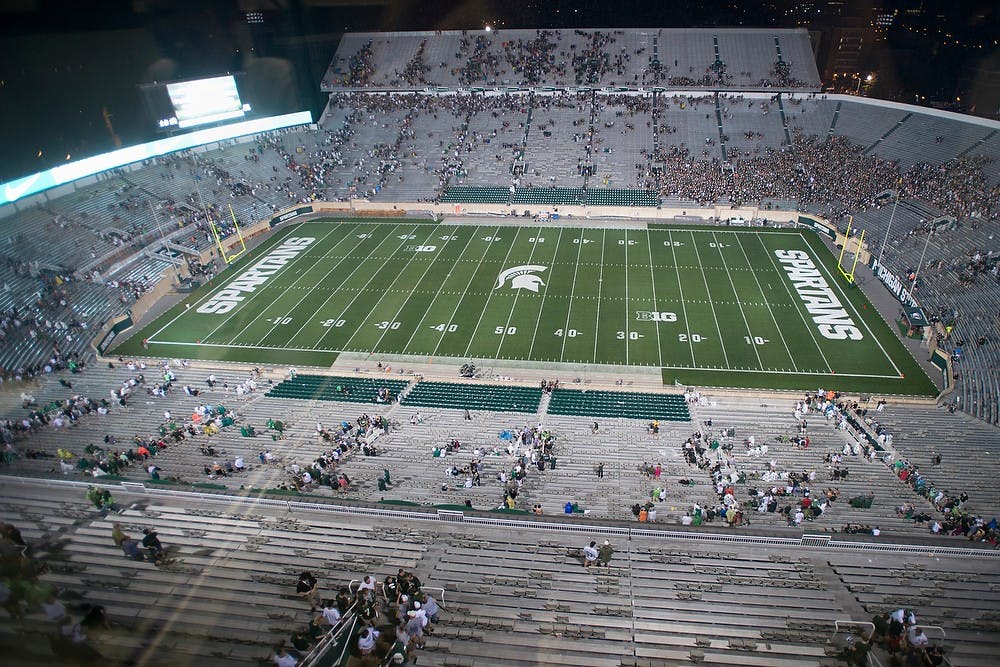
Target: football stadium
(535, 347)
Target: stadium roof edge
(20, 188)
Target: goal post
(849, 275)
(229, 258)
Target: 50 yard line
(538, 319)
(489, 297)
(513, 306)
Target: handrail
(837, 623)
(346, 623)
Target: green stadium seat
(325, 388)
(631, 405)
(496, 398)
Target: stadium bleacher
(761, 593)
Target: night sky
(63, 63)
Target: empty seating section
(865, 124)
(548, 196)
(476, 194)
(930, 139)
(629, 405)
(617, 197)
(495, 398)
(556, 146)
(337, 388)
(689, 124)
(494, 139)
(623, 140)
(749, 57)
(809, 116)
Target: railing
(335, 645)
(806, 541)
(837, 624)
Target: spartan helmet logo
(521, 277)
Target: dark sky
(65, 64)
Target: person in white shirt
(917, 637)
(366, 642)
(590, 554)
(368, 586)
(283, 659)
(330, 612)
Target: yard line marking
(572, 293)
(715, 316)
(407, 299)
(517, 294)
(274, 300)
(212, 294)
(762, 296)
(680, 288)
(333, 291)
(600, 286)
(652, 285)
(797, 303)
(626, 300)
(437, 294)
(403, 241)
(833, 281)
(488, 298)
(308, 291)
(541, 308)
(739, 304)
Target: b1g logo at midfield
(521, 277)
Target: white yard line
(211, 294)
(715, 316)
(374, 273)
(652, 286)
(680, 289)
(437, 294)
(600, 286)
(763, 297)
(626, 327)
(736, 296)
(572, 294)
(275, 299)
(545, 293)
(799, 306)
(517, 294)
(416, 284)
(489, 297)
(465, 292)
(305, 296)
(332, 293)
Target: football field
(752, 308)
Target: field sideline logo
(226, 299)
(828, 314)
(522, 277)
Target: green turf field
(708, 305)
